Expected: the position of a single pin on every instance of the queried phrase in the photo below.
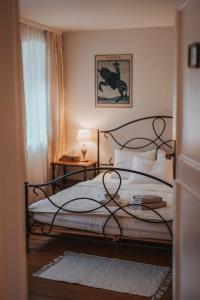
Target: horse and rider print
(113, 78)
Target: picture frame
(113, 80)
(194, 55)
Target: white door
(187, 237)
(12, 170)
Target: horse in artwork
(113, 79)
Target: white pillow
(159, 169)
(161, 155)
(124, 159)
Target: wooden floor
(43, 250)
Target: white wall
(152, 50)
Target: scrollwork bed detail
(157, 142)
(127, 209)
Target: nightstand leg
(53, 177)
(84, 173)
(64, 172)
(95, 173)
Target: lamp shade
(83, 135)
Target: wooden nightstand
(65, 165)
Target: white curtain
(55, 71)
(45, 110)
(34, 55)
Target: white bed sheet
(43, 211)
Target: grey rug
(109, 273)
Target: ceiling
(78, 15)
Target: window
(34, 57)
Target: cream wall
(152, 49)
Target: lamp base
(84, 151)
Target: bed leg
(27, 243)
(26, 217)
(98, 150)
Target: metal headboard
(157, 142)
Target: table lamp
(83, 135)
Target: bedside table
(72, 165)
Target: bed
(105, 206)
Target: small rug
(109, 273)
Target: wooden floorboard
(43, 250)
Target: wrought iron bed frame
(158, 142)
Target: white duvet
(94, 189)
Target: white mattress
(43, 211)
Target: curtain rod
(40, 26)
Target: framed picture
(194, 55)
(113, 80)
